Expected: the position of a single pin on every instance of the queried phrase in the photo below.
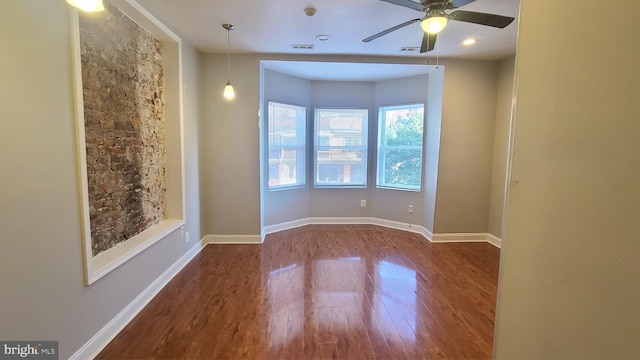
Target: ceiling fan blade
(498, 21)
(458, 3)
(428, 42)
(392, 29)
(407, 3)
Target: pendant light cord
(228, 57)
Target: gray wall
(393, 204)
(466, 147)
(432, 145)
(285, 205)
(570, 274)
(501, 144)
(343, 202)
(43, 295)
(281, 206)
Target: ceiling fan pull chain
(438, 53)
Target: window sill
(397, 188)
(339, 186)
(287, 187)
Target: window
(287, 133)
(340, 154)
(400, 147)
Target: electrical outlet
(186, 237)
(363, 203)
(182, 230)
(411, 209)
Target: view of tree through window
(286, 143)
(400, 146)
(340, 147)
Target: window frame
(381, 147)
(300, 147)
(363, 147)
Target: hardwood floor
(323, 292)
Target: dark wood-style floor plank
(323, 292)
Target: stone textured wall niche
(129, 131)
(123, 92)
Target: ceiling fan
(436, 19)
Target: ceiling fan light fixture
(87, 5)
(434, 24)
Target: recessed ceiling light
(323, 37)
(469, 42)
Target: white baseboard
(418, 229)
(98, 342)
(270, 229)
(426, 233)
(339, 220)
(459, 237)
(346, 220)
(232, 239)
(494, 240)
(468, 237)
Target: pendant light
(87, 5)
(228, 93)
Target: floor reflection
(285, 292)
(346, 295)
(394, 301)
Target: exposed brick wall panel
(123, 93)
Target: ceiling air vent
(302, 46)
(409, 49)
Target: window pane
(340, 147)
(403, 127)
(286, 145)
(402, 167)
(400, 146)
(340, 167)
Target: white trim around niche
(100, 265)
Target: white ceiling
(340, 71)
(271, 26)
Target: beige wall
(570, 274)
(501, 144)
(43, 295)
(229, 144)
(466, 147)
(230, 191)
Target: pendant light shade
(229, 93)
(87, 5)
